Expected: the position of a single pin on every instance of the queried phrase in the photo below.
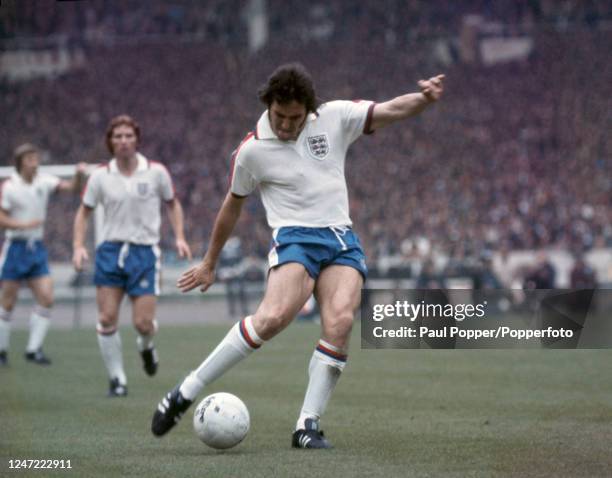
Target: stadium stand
(516, 156)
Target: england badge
(318, 146)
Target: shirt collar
(264, 129)
(19, 178)
(143, 163)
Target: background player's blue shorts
(317, 247)
(22, 259)
(134, 268)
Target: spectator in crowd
(542, 275)
(582, 275)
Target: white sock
(326, 365)
(238, 344)
(109, 341)
(5, 329)
(39, 325)
(145, 342)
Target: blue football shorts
(316, 248)
(134, 268)
(23, 259)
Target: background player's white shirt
(302, 182)
(131, 203)
(27, 202)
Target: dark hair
(121, 120)
(289, 82)
(21, 151)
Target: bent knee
(107, 320)
(144, 325)
(338, 327)
(8, 305)
(269, 322)
(46, 301)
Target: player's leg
(288, 288)
(10, 290)
(109, 301)
(40, 318)
(142, 267)
(338, 292)
(143, 317)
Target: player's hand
(30, 224)
(79, 257)
(81, 169)
(201, 275)
(183, 249)
(433, 88)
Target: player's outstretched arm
(203, 274)
(79, 252)
(8, 222)
(408, 105)
(76, 183)
(177, 220)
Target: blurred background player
(232, 271)
(296, 158)
(130, 188)
(24, 257)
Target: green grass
(395, 413)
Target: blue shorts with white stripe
(316, 248)
(22, 260)
(134, 268)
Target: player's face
(287, 120)
(124, 142)
(29, 164)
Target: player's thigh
(287, 290)
(10, 291)
(109, 302)
(338, 292)
(143, 309)
(42, 289)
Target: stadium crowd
(517, 155)
(396, 21)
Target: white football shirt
(302, 182)
(27, 201)
(131, 203)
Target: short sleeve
(91, 193)
(356, 118)
(51, 183)
(5, 196)
(166, 187)
(242, 182)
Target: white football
(221, 420)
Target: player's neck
(127, 165)
(28, 178)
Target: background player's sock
(5, 329)
(326, 365)
(39, 325)
(239, 342)
(145, 341)
(109, 341)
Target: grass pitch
(394, 413)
